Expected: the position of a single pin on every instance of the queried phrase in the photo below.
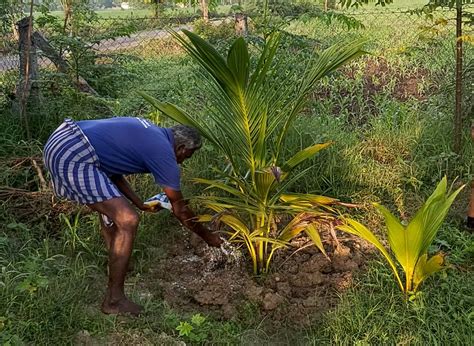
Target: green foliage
(429, 9)
(197, 331)
(249, 124)
(10, 12)
(72, 238)
(410, 243)
(358, 3)
(383, 146)
(372, 313)
(75, 39)
(212, 32)
(268, 16)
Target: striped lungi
(74, 166)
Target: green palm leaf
(402, 246)
(225, 187)
(425, 268)
(264, 181)
(356, 228)
(238, 62)
(209, 58)
(328, 61)
(313, 234)
(307, 199)
(303, 155)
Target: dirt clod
(271, 301)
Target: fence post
(28, 60)
(205, 10)
(27, 86)
(459, 52)
(241, 24)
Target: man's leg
(121, 243)
(108, 234)
(470, 212)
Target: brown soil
(302, 285)
(378, 74)
(378, 77)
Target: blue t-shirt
(134, 145)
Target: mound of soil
(301, 286)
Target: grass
(373, 311)
(386, 148)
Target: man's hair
(187, 136)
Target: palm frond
(328, 61)
(303, 155)
(356, 228)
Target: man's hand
(184, 214)
(153, 208)
(212, 239)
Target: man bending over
(87, 161)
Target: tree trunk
(16, 33)
(27, 85)
(459, 53)
(58, 61)
(205, 10)
(28, 60)
(470, 211)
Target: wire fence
(389, 31)
(104, 35)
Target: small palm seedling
(409, 244)
(248, 123)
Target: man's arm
(186, 216)
(126, 189)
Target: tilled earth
(302, 285)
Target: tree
(329, 5)
(10, 12)
(248, 124)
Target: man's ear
(180, 147)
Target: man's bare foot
(122, 306)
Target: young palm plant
(248, 124)
(410, 243)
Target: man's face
(182, 153)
